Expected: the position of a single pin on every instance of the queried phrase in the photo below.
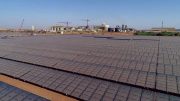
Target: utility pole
(21, 26)
(67, 23)
(87, 22)
(162, 26)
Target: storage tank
(105, 27)
(117, 29)
(33, 28)
(111, 29)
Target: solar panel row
(83, 87)
(143, 63)
(124, 75)
(10, 93)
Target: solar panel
(10, 93)
(142, 64)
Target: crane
(87, 22)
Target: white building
(57, 29)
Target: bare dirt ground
(2, 34)
(99, 33)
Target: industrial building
(57, 28)
(96, 28)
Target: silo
(123, 27)
(126, 27)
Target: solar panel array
(97, 68)
(10, 93)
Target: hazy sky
(135, 13)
